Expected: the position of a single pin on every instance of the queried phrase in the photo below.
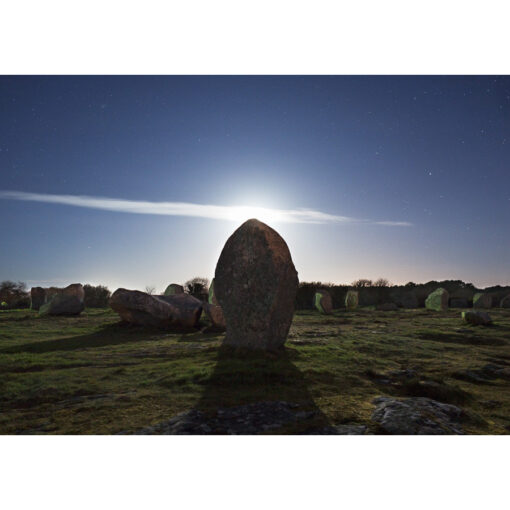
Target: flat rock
(416, 416)
(257, 418)
(255, 283)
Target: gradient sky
(428, 154)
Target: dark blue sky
(430, 151)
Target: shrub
(96, 296)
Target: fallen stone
(416, 416)
(255, 284)
(476, 318)
(178, 311)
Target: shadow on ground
(114, 334)
(251, 393)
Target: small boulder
(482, 300)
(67, 301)
(174, 288)
(37, 297)
(215, 315)
(505, 302)
(387, 307)
(476, 318)
(323, 302)
(351, 299)
(256, 283)
(416, 416)
(437, 300)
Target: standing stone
(437, 300)
(67, 301)
(174, 288)
(351, 299)
(37, 297)
(212, 296)
(505, 302)
(256, 284)
(322, 301)
(482, 300)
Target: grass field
(94, 375)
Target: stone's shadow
(252, 392)
(114, 334)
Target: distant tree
(410, 284)
(14, 294)
(381, 282)
(197, 287)
(150, 290)
(96, 296)
(362, 283)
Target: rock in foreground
(255, 284)
(477, 318)
(437, 300)
(67, 301)
(322, 301)
(179, 311)
(416, 416)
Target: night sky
(413, 171)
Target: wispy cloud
(217, 212)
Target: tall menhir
(256, 284)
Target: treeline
(380, 291)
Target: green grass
(93, 375)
